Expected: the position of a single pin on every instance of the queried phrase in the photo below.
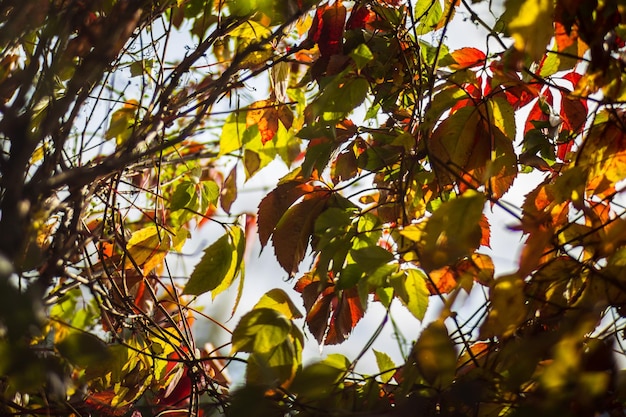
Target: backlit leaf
(434, 355)
(411, 288)
(219, 265)
(453, 231)
(331, 313)
(603, 153)
(229, 190)
(278, 300)
(507, 310)
(385, 364)
(294, 230)
(260, 330)
(467, 57)
(530, 25)
(275, 204)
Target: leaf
(83, 349)
(319, 379)
(385, 364)
(603, 153)
(507, 310)
(264, 115)
(331, 313)
(275, 204)
(278, 300)
(232, 136)
(294, 230)
(183, 195)
(121, 122)
(219, 265)
(330, 36)
(434, 355)
(467, 58)
(261, 330)
(453, 231)
(229, 190)
(531, 25)
(147, 248)
(238, 243)
(428, 13)
(412, 291)
(573, 113)
(361, 55)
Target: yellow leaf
(531, 27)
(507, 310)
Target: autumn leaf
(331, 313)
(452, 232)
(603, 153)
(434, 355)
(467, 57)
(507, 310)
(530, 25)
(294, 230)
(264, 115)
(275, 204)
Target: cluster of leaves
(115, 149)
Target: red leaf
(276, 203)
(347, 312)
(467, 58)
(573, 77)
(295, 228)
(536, 114)
(331, 313)
(574, 114)
(359, 17)
(331, 36)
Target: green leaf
(319, 379)
(261, 330)
(428, 13)
(412, 291)
(238, 243)
(210, 192)
(361, 55)
(83, 349)
(453, 231)
(183, 195)
(372, 257)
(385, 365)
(278, 300)
(219, 265)
(233, 130)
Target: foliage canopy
(117, 144)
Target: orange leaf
(442, 281)
(467, 58)
(265, 115)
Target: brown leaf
(276, 203)
(229, 190)
(294, 230)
